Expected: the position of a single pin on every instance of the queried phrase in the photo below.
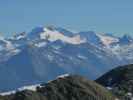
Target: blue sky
(112, 16)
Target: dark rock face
(120, 80)
(65, 88)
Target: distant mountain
(46, 52)
(63, 88)
(119, 81)
(126, 39)
(91, 37)
(33, 64)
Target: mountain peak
(126, 38)
(37, 31)
(19, 36)
(50, 27)
(53, 34)
(107, 40)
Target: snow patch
(63, 76)
(19, 36)
(107, 40)
(82, 57)
(41, 44)
(31, 87)
(56, 47)
(15, 51)
(50, 57)
(53, 35)
(109, 88)
(8, 93)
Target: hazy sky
(113, 16)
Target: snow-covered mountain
(46, 52)
(126, 39)
(53, 35)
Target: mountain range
(47, 52)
